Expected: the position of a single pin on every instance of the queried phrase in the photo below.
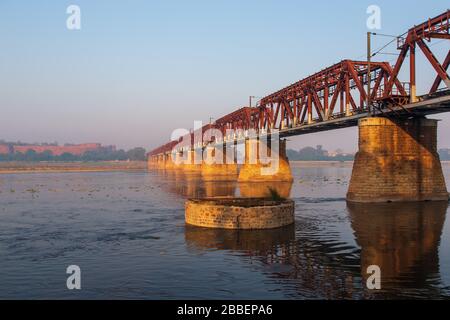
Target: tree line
(135, 154)
(316, 154)
(319, 154)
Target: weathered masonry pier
(397, 158)
(239, 213)
(272, 166)
(263, 161)
(397, 161)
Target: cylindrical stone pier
(192, 163)
(259, 166)
(239, 213)
(151, 162)
(219, 164)
(397, 161)
(155, 162)
(169, 163)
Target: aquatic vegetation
(274, 195)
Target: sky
(137, 70)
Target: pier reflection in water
(266, 243)
(191, 185)
(401, 238)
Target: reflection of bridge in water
(403, 239)
(191, 185)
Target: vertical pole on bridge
(369, 57)
(412, 67)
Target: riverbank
(50, 167)
(105, 166)
(306, 164)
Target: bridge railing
(380, 93)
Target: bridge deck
(436, 103)
(431, 105)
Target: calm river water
(126, 231)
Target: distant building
(339, 153)
(6, 149)
(75, 149)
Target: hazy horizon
(137, 71)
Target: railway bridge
(397, 158)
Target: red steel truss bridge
(340, 95)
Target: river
(126, 232)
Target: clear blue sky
(139, 69)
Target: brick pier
(397, 161)
(259, 167)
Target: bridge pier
(267, 168)
(151, 162)
(219, 164)
(191, 163)
(397, 161)
(168, 161)
(162, 161)
(155, 162)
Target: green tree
(137, 154)
(47, 155)
(67, 157)
(31, 155)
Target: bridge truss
(337, 96)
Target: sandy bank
(51, 167)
